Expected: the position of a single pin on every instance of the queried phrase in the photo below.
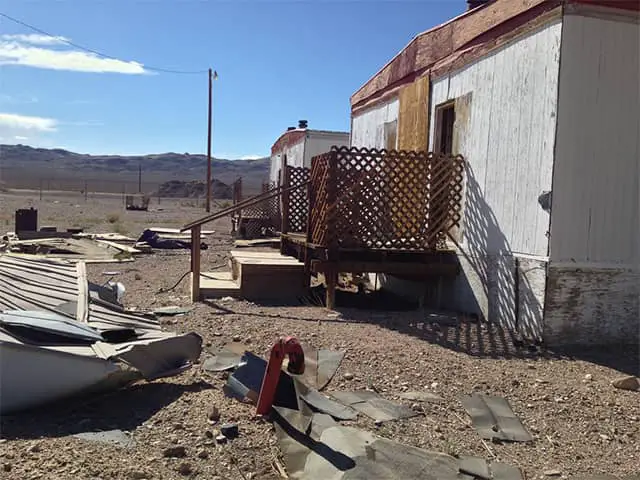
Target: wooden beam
(331, 277)
(195, 263)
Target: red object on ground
(285, 346)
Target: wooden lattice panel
(378, 199)
(266, 210)
(319, 198)
(297, 198)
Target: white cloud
(251, 157)
(37, 51)
(12, 121)
(34, 39)
(20, 138)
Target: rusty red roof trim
(447, 41)
(287, 139)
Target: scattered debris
(478, 468)
(320, 366)
(552, 473)
(421, 397)
(494, 419)
(348, 376)
(323, 404)
(227, 358)
(214, 414)
(72, 249)
(374, 406)
(627, 383)
(221, 439)
(78, 339)
(176, 451)
(315, 446)
(172, 311)
(185, 469)
(166, 241)
(112, 437)
(230, 430)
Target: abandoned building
(299, 145)
(541, 98)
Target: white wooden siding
(319, 142)
(295, 157)
(367, 128)
(595, 181)
(506, 132)
(508, 142)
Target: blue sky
(278, 62)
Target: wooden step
(218, 284)
(267, 275)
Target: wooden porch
(361, 211)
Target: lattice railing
(378, 199)
(298, 203)
(267, 210)
(319, 198)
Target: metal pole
(208, 206)
(86, 191)
(140, 176)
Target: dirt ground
(581, 424)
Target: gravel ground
(581, 424)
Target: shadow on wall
(493, 284)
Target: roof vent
(302, 124)
(290, 128)
(471, 4)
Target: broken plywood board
(74, 249)
(493, 418)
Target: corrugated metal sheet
(27, 284)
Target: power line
(95, 52)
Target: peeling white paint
(507, 140)
(367, 129)
(594, 280)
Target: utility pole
(140, 176)
(208, 204)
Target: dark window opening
(445, 119)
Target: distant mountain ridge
(22, 166)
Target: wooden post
(284, 181)
(208, 206)
(331, 278)
(86, 191)
(331, 273)
(195, 263)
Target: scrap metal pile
(61, 335)
(314, 443)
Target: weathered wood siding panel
(506, 133)
(509, 140)
(593, 286)
(413, 117)
(367, 129)
(595, 182)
